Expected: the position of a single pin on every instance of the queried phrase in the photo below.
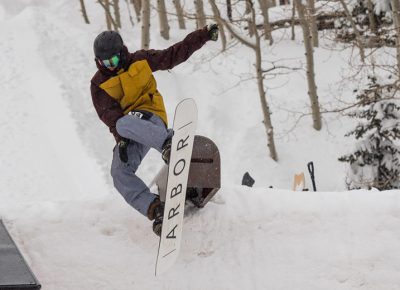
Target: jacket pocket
(113, 87)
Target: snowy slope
(76, 232)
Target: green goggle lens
(111, 62)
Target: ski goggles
(111, 62)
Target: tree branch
(108, 14)
(237, 35)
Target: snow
(76, 232)
(382, 6)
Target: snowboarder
(125, 96)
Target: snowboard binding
(204, 174)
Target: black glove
(123, 150)
(213, 31)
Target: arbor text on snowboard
(184, 127)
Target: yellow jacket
(136, 89)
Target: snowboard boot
(194, 194)
(166, 150)
(156, 212)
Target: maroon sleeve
(107, 108)
(175, 54)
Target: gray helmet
(107, 44)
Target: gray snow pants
(143, 135)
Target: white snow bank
(244, 239)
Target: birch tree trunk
(293, 21)
(117, 15)
(267, 27)
(109, 19)
(84, 13)
(396, 17)
(108, 13)
(217, 17)
(229, 10)
(128, 7)
(356, 31)
(249, 19)
(313, 22)
(137, 5)
(261, 91)
(264, 104)
(260, 82)
(162, 14)
(312, 88)
(371, 16)
(179, 13)
(200, 16)
(145, 24)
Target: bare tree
(179, 13)
(355, 29)
(256, 47)
(217, 17)
(200, 16)
(371, 16)
(117, 15)
(324, 21)
(129, 12)
(312, 88)
(249, 19)
(84, 14)
(313, 22)
(229, 10)
(248, 7)
(137, 5)
(396, 17)
(162, 14)
(267, 28)
(109, 19)
(293, 21)
(145, 24)
(108, 14)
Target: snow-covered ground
(76, 232)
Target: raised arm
(175, 54)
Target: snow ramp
(245, 238)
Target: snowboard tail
(204, 173)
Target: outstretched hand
(213, 31)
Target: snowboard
(184, 128)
